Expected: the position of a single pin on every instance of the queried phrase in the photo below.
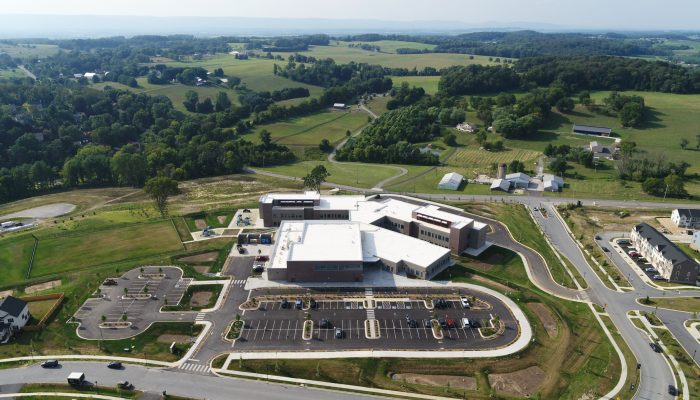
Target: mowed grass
(473, 157)
(58, 253)
(311, 129)
(354, 174)
(344, 55)
(14, 258)
(428, 83)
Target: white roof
(501, 184)
(451, 178)
(89, 74)
(380, 243)
(370, 211)
(309, 195)
(325, 241)
(554, 178)
(338, 104)
(75, 375)
(340, 202)
(457, 221)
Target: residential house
(14, 315)
(671, 262)
(686, 218)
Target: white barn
(518, 180)
(552, 183)
(451, 181)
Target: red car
(451, 324)
(262, 258)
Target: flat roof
(309, 195)
(593, 129)
(316, 241)
(380, 243)
(434, 211)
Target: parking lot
(404, 323)
(640, 262)
(138, 296)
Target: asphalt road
(177, 382)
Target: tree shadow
(555, 121)
(652, 119)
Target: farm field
(428, 83)
(354, 174)
(25, 51)
(390, 46)
(86, 248)
(343, 55)
(310, 130)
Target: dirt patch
(200, 223)
(42, 286)
(495, 284)
(202, 269)
(546, 317)
(167, 338)
(210, 256)
(455, 382)
(221, 219)
(231, 232)
(667, 224)
(200, 299)
(6, 293)
(519, 383)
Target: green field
(58, 253)
(355, 174)
(14, 258)
(26, 51)
(311, 129)
(390, 46)
(428, 83)
(343, 55)
(7, 73)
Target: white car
(466, 323)
(465, 302)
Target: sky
(596, 14)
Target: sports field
(64, 252)
(311, 129)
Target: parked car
(110, 282)
(115, 365)
(299, 304)
(466, 323)
(325, 324)
(623, 242)
(241, 249)
(412, 323)
(427, 323)
(312, 304)
(465, 302)
(672, 390)
(258, 268)
(245, 210)
(597, 237)
(605, 249)
(650, 269)
(440, 303)
(451, 324)
(643, 260)
(262, 258)
(125, 385)
(338, 333)
(442, 322)
(658, 278)
(285, 304)
(655, 347)
(50, 364)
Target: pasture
(390, 46)
(308, 131)
(343, 55)
(11, 73)
(428, 83)
(27, 51)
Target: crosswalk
(192, 367)
(370, 314)
(239, 282)
(200, 317)
(370, 311)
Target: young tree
(222, 102)
(684, 143)
(266, 138)
(191, 100)
(160, 189)
(325, 146)
(450, 139)
(565, 105)
(316, 177)
(558, 165)
(205, 107)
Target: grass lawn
(422, 181)
(14, 258)
(86, 390)
(688, 250)
(192, 290)
(690, 368)
(497, 261)
(11, 73)
(428, 83)
(86, 248)
(211, 218)
(390, 46)
(378, 104)
(39, 308)
(308, 131)
(354, 174)
(688, 304)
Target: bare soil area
(200, 223)
(519, 383)
(455, 382)
(168, 338)
(546, 317)
(6, 293)
(202, 269)
(42, 212)
(221, 219)
(210, 256)
(490, 282)
(200, 299)
(42, 286)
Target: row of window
(332, 216)
(337, 267)
(434, 235)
